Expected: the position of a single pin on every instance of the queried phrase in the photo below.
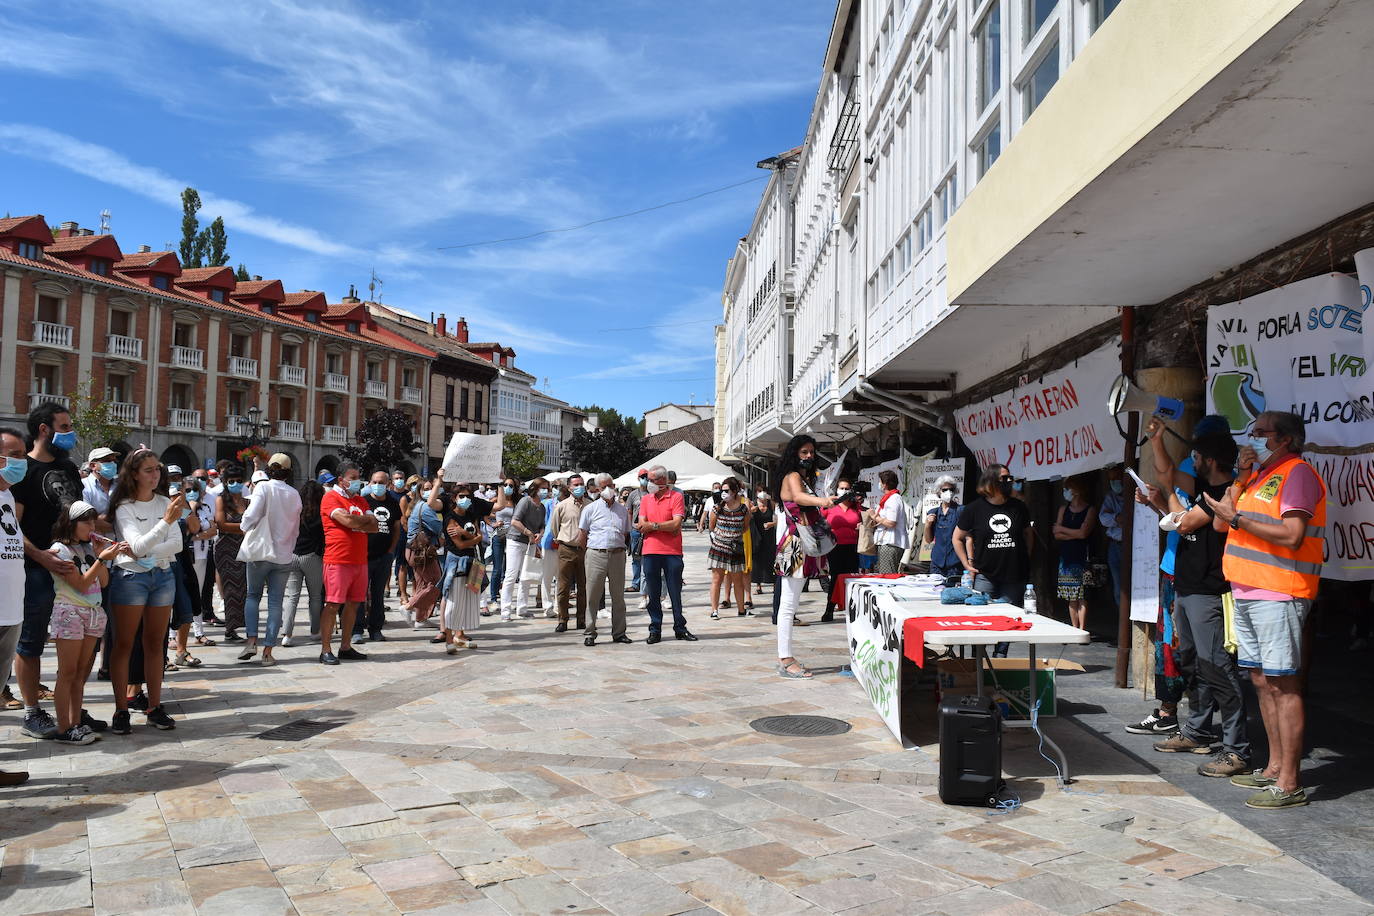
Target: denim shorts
(149, 588)
(1269, 635)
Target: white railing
(333, 381)
(124, 413)
(291, 375)
(181, 418)
(243, 367)
(188, 358)
(375, 388)
(410, 395)
(39, 397)
(290, 429)
(234, 424)
(54, 335)
(334, 435)
(125, 347)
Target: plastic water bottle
(967, 580)
(1028, 606)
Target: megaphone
(1126, 397)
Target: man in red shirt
(348, 520)
(661, 512)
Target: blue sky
(338, 138)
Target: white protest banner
(927, 499)
(1144, 565)
(1054, 426)
(1300, 348)
(472, 458)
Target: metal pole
(1127, 517)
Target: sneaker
(74, 735)
(38, 724)
(360, 638)
(1228, 763)
(1154, 724)
(1180, 743)
(9, 701)
(1272, 798)
(119, 725)
(95, 725)
(88, 731)
(1255, 779)
(505, 616)
(139, 701)
(231, 637)
(159, 719)
(286, 642)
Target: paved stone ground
(533, 775)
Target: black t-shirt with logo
(388, 513)
(46, 489)
(1197, 561)
(1000, 551)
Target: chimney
(88, 232)
(68, 230)
(460, 330)
(143, 248)
(257, 276)
(441, 325)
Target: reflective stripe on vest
(1251, 561)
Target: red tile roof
(306, 298)
(208, 276)
(259, 289)
(82, 243)
(148, 260)
(29, 228)
(340, 309)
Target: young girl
(78, 619)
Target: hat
(80, 508)
(259, 476)
(643, 472)
(212, 472)
(100, 454)
(325, 478)
(281, 460)
(174, 470)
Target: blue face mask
(108, 469)
(508, 490)
(427, 495)
(464, 503)
(1261, 446)
(1068, 495)
(65, 441)
(14, 470)
(579, 492)
(1116, 486)
(355, 486)
(378, 490)
(146, 562)
(544, 494)
(235, 488)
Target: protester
(381, 555)
(1109, 517)
(51, 483)
(508, 494)
(424, 531)
(461, 515)
(993, 539)
(143, 585)
(13, 467)
(661, 513)
(270, 528)
(727, 520)
(103, 464)
(844, 519)
(78, 617)
(307, 565)
(603, 529)
(233, 577)
(347, 521)
(548, 562)
(572, 570)
(763, 525)
(1072, 527)
(636, 536)
(795, 484)
(1276, 516)
(940, 524)
(868, 550)
(890, 533)
(407, 491)
(186, 609)
(522, 539)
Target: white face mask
(946, 496)
(608, 494)
(653, 487)
(842, 491)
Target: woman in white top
(890, 533)
(142, 584)
(270, 526)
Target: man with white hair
(604, 528)
(660, 521)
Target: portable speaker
(970, 750)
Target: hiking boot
(1255, 779)
(1271, 798)
(1182, 744)
(1225, 764)
(1154, 724)
(38, 724)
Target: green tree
(242, 274)
(385, 440)
(609, 416)
(520, 456)
(216, 240)
(611, 448)
(94, 419)
(191, 249)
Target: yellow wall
(1147, 60)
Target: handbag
(816, 538)
(475, 573)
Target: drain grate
(801, 726)
(298, 730)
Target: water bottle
(967, 580)
(1028, 606)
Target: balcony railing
(291, 375)
(39, 397)
(181, 418)
(334, 435)
(124, 413)
(53, 335)
(333, 381)
(243, 367)
(376, 388)
(290, 429)
(188, 358)
(234, 424)
(410, 395)
(124, 347)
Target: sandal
(168, 666)
(725, 605)
(440, 638)
(204, 641)
(187, 660)
(786, 670)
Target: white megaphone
(1125, 398)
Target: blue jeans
(182, 611)
(372, 616)
(636, 561)
(274, 575)
(497, 572)
(657, 567)
(1114, 567)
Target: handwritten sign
(472, 458)
(1144, 565)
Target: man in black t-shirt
(1199, 587)
(51, 484)
(993, 538)
(381, 549)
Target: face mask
(65, 441)
(842, 492)
(608, 495)
(806, 463)
(108, 469)
(727, 494)
(464, 503)
(716, 492)
(1116, 486)
(14, 470)
(652, 487)
(398, 482)
(378, 490)
(235, 488)
(644, 481)
(544, 493)
(763, 494)
(1006, 486)
(146, 562)
(1068, 495)
(946, 496)
(1018, 486)
(174, 487)
(578, 492)
(508, 490)
(1261, 446)
(355, 487)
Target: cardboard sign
(472, 458)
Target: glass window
(1042, 80)
(31, 251)
(989, 149)
(1037, 11)
(269, 309)
(1102, 9)
(160, 281)
(989, 36)
(183, 335)
(116, 385)
(462, 403)
(49, 310)
(312, 318)
(217, 295)
(289, 353)
(352, 327)
(477, 405)
(99, 266)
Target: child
(78, 619)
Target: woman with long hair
(307, 566)
(993, 538)
(507, 495)
(794, 485)
(726, 557)
(233, 575)
(143, 586)
(461, 515)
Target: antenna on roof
(105, 222)
(372, 294)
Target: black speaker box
(970, 750)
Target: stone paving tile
(237, 889)
(637, 893)
(542, 895)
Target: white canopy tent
(695, 469)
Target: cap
(174, 470)
(212, 472)
(259, 476)
(325, 478)
(643, 472)
(80, 508)
(100, 454)
(281, 460)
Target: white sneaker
(603, 615)
(286, 641)
(644, 602)
(360, 638)
(505, 616)
(550, 613)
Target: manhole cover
(800, 726)
(298, 730)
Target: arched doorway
(181, 456)
(328, 463)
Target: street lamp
(250, 425)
